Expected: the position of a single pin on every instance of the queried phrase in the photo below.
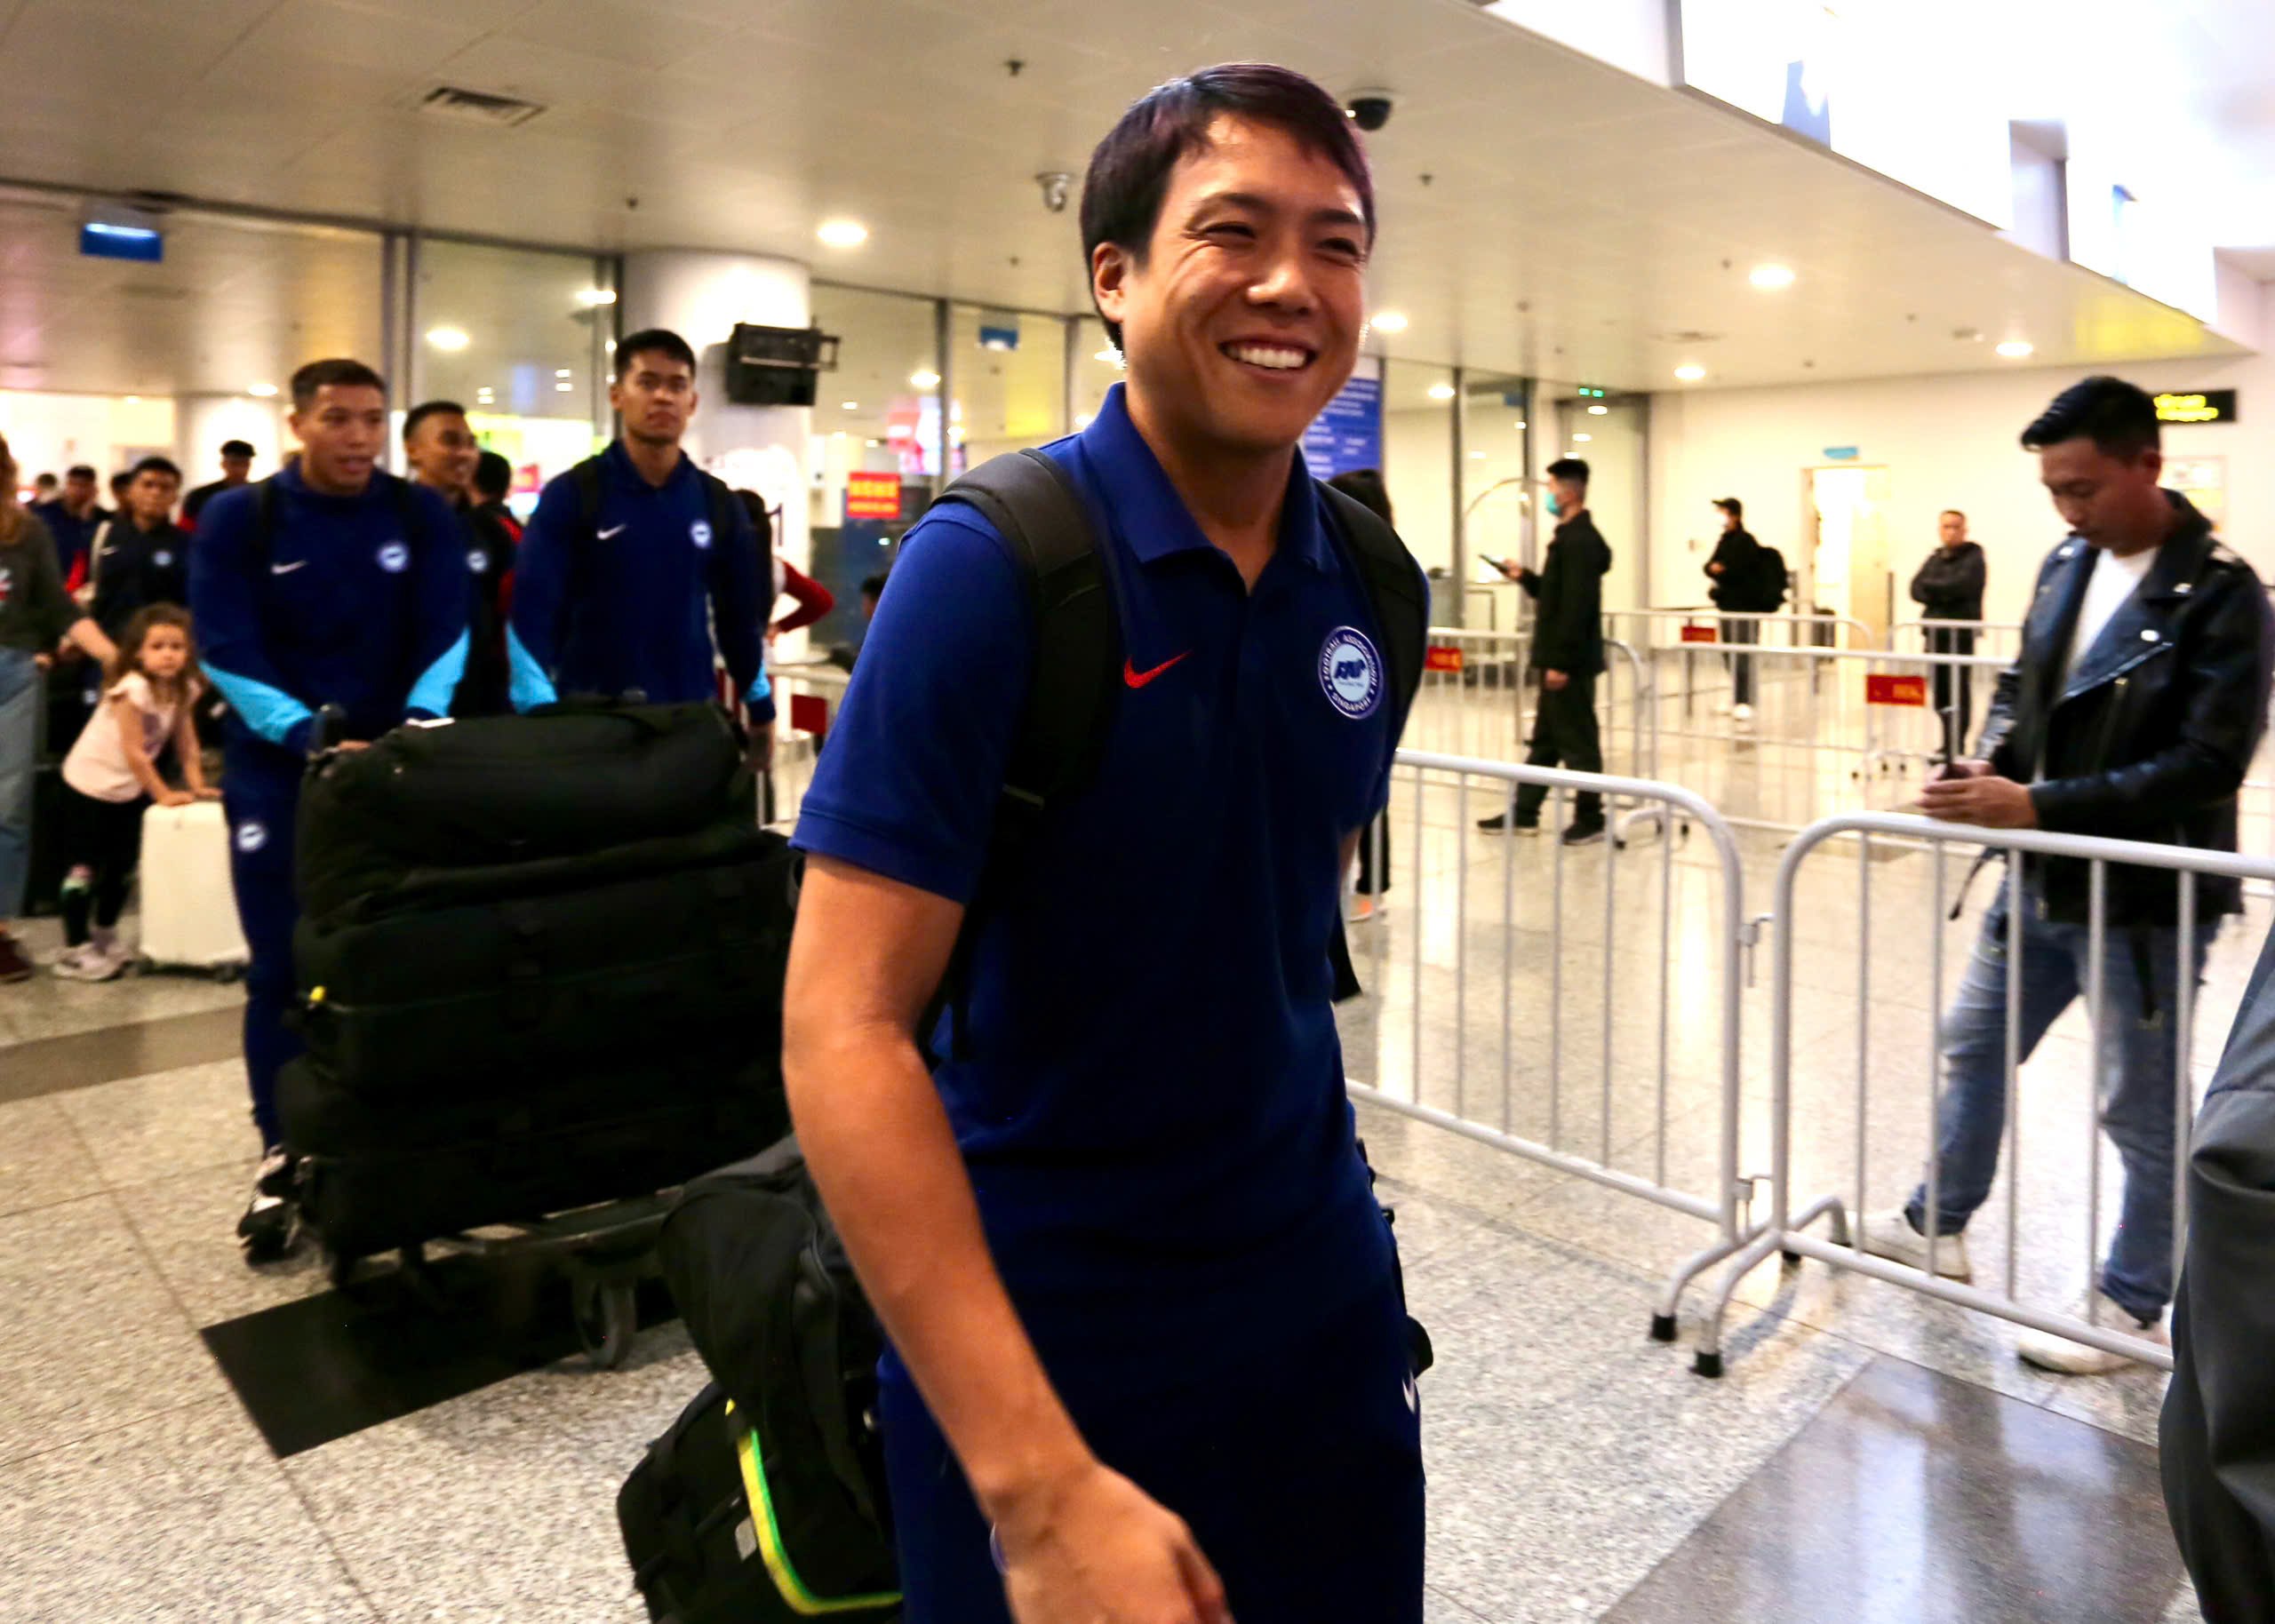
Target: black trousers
(104, 837)
(1564, 735)
(1374, 857)
(1954, 687)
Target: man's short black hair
(493, 476)
(874, 586)
(80, 471)
(1953, 512)
(1129, 172)
(653, 341)
(424, 410)
(338, 372)
(237, 447)
(2118, 418)
(1569, 469)
(120, 480)
(1732, 507)
(155, 465)
(1365, 486)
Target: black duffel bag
(486, 985)
(772, 1306)
(377, 1176)
(564, 782)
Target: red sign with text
(1698, 634)
(871, 495)
(1442, 656)
(1896, 690)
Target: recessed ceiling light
(843, 234)
(566, 388)
(1598, 411)
(2015, 349)
(262, 390)
(1389, 321)
(1771, 277)
(447, 337)
(924, 381)
(1521, 425)
(1690, 371)
(562, 372)
(852, 405)
(1583, 439)
(1476, 456)
(1441, 392)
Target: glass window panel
(1009, 372)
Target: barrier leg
(1708, 1361)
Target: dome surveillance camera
(1056, 186)
(1370, 110)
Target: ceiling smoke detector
(478, 107)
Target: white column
(700, 296)
(202, 422)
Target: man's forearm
(879, 1141)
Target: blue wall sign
(1348, 432)
(1840, 453)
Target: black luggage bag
(771, 1303)
(567, 782)
(490, 984)
(380, 1174)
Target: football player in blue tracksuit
(332, 583)
(637, 560)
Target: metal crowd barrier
(806, 697)
(1787, 1230)
(1470, 940)
(2002, 639)
(1478, 698)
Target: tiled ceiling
(1541, 212)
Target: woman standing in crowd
(35, 614)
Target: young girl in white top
(109, 777)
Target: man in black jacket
(2218, 1437)
(1567, 651)
(2132, 711)
(1949, 587)
(1749, 579)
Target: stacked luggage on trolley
(540, 960)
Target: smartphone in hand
(1506, 574)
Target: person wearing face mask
(330, 583)
(1949, 587)
(1567, 652)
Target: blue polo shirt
(633, 599)
(358, 602)
(1153, 1113)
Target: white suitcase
(190, 908)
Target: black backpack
(719, 500)
(1768, 579)
(766, 1501)
(1036, 508)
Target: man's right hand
(1950, 770)
(1095, 1548)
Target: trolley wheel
(607, 1314)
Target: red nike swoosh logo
(1135, 678)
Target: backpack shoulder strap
(1034, 507)
(264, 519)
(587, 475)
(1393, 583)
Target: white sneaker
(1890, 1235)
(87, 962)
(2065, 1357)
(1743, 714)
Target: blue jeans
(21, 696)
(2140, 1057)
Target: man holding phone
(1567, 651)
(2133, 712)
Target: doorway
(1845, 567)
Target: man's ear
(1110, 268)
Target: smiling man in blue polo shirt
(1149, 1358)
